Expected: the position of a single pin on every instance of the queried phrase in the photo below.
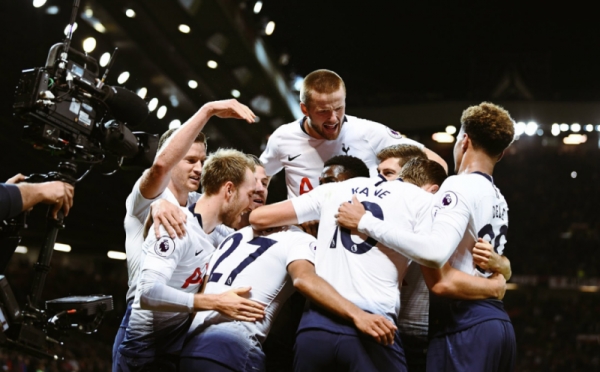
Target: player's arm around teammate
(323, 294)
(486, 258)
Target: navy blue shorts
(120, 335)
(415, 350)
(320, 350)
(164, 363)
(489, 346)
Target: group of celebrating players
(401, 266)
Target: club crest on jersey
(394, 133)
(449, 200)
(313, 246)
(164, 247)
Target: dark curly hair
(353, 166)
(489, 127)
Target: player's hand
(170, 216)
(499, 282)
(376, 326)
(230, 108)
(233, 305)
(16, 179)
(349, 214)
(311, 227)
(485, 257)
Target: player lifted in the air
(301, 147)
(468, 335)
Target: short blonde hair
(222, 166)
(321, 81)
(421, 172)
(401, 152)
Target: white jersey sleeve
(308, 206)
(434, 249)
(161, 259)
(271, 158)
(380, 136)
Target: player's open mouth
(259, 201)
(330, 127)
(195, 179)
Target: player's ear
(304, 109)
(500, 156)
(431, 188)
(229, 189)
(466, 143)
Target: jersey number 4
(262, 243)
(346, 237)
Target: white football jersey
(259, 262)
(474, 195)
(183, 262)
(359, 268)
(302, 156)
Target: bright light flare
(575, 127)
(235, 93)
(589, 128)
(104, 59)
(564, 127)
(184, 29)
(38, 3)
(116, 255)
(175, 124)
(270, 28)
(62, 247)
(69, 27)
(450, 129)
(123, 77)
(153, 104)
(258, 7)
(130, 13)
(162, 111)
(89, 44)
(442, 137)
(575, 139)
(520, 128)
(142, 92)
(531, 128)
(212, 64)
(21, 249)
(193, 84)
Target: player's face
(240, 201)
(325, 114)
(389, 168)
(333, 173)
(259, 198)
(186, 174)
(458, 150)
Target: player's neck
(309, 130)
(180, 194)
(208, 207)
(476, 161)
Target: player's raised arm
(278, 214)
(432, 250)
(156, 179)
(323, 294)
(452, 283)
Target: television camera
(67, 109)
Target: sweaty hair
(222, 166)
(353, 166)
(401, 152)
(256, 160)
(199, 138)
(489, 127)
(421, 172)
(321, 81)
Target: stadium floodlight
(575, 139)
(193, 84)
(116, 255)
(153, 104)
(162, 111)
(123, 77)
(589, 128)
(531, 128)
(564, 127)
(130, 13)
(575, 127)
(573, 174)
(270, 28)
(175, 124)
(258, 7)
(52, 10)
(597, 128)
(142, 92)
(212, 64)
(236, 93)
(21, 249)
(520, 128)
(62, 247)
(89, 44)
(38, 3)
(104, 59)
(450, 129)
(442, 137)
(184, 29)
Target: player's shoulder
(371, 128)
(288, 129)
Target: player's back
(476, 194)
(359, 268)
